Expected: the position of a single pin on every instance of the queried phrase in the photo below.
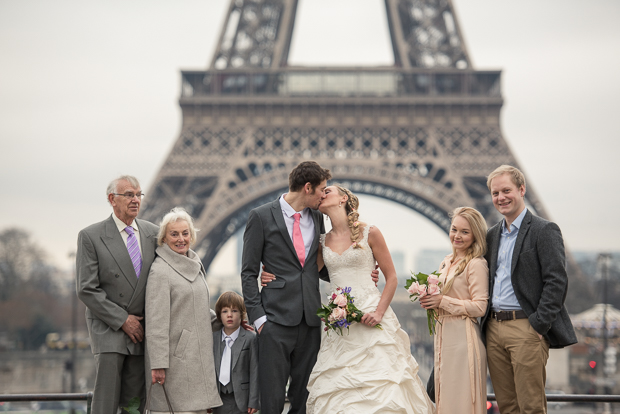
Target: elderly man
(113, 261)
(527, 283)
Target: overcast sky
(89, 90)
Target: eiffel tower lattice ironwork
(423, 133)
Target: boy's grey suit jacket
(295, 291)
(538, 276)
(244, 371)
(108, 286)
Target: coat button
(121, 295)
(116, 275)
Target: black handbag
(430, 385)
(148, 399)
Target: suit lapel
(237, 347)
(278, 217)
(494, 249)
(317, 229)
(114, 242)
(218, 353)
(525, 226)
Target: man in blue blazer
(111, 282)
(527, 284)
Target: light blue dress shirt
(503, 294)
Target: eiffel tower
(423, 133)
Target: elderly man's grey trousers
(119, 379)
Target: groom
(284, 236)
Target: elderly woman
(179, 348)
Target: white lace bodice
(352, 268)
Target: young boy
(236, 358)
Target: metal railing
(575, 398)
(323, 82)
(88, 397)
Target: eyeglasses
(130, 196)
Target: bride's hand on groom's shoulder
(266, 277)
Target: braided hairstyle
(350, 207)
(479, 246)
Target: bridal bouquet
(420, 285)
(340, 312)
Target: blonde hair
(479, 246)
(350, 207)
(176, 214)
(515, 174)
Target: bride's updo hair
(350, 207)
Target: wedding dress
(366, 370)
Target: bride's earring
(340, 205)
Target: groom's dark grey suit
(289, 341)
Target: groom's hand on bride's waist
(374, 275)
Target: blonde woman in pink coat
(460, 355)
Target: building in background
(428, 260)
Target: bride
(366, 370)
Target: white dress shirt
(121, 229)
(233, 336)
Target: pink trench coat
(460, 355)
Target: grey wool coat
(179, 336)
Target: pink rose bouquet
(420, 285)
(341, 311)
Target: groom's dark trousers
(289, 341)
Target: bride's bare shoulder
(375, 235)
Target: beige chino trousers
(517, 360)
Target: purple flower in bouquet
(340, 312)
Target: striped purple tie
(134, 250)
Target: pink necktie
(298, 240)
